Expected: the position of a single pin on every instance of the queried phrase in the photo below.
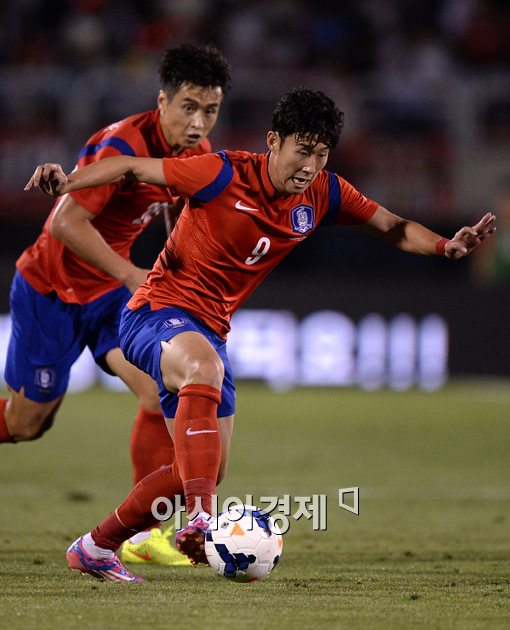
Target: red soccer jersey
(235, 229)
(122, 211)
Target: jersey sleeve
(201, 177)
(355, 208)
(94, 199)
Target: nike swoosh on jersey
(240, 206)
(190, 432)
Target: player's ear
(273, 140)
(162, 101)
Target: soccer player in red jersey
(244, 213)
(72, 283)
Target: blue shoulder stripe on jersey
(335, 201)
(117, 143)
(222, 180)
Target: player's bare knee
(208, 371)
(149, 401)
(150, 405)
(204, 370)
(28, 427)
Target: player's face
(295, 162)
(188, 117)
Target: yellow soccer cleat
(154, 550)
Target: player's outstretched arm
(413, 237)
(52, 180)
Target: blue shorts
(141, 333)
(49, 335)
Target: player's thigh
(189, 358)
(226, 428)
(27, 419)
(142, 385)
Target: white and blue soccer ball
(243, 544)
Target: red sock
(134, 514)
(151, 444)
(198, 444)
(4, 433)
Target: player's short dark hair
(305, 113)
(204, 66)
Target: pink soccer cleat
(102, 569)
(190, 540)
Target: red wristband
(440, 246)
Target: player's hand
(468, 238)
(136, 278)
(50, 178)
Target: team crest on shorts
(45, 378)
(302, 219)
(175, 322)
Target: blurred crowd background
(425, 87)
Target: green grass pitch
(429, 549)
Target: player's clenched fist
(50, 178)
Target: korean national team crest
(175, 322)
(45, 379)
(302, 219)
